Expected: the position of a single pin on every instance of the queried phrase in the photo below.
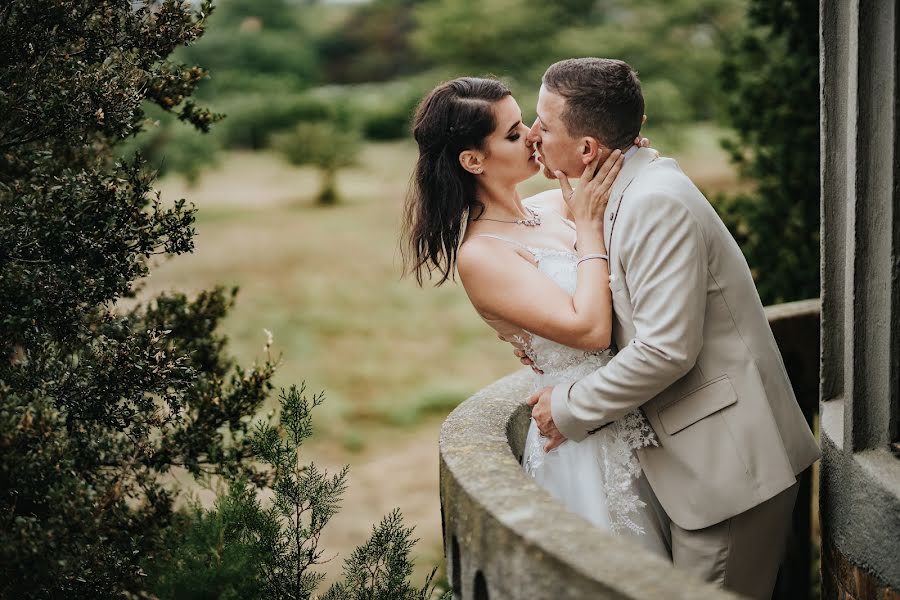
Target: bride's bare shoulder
(484, 255)
(549, 199)
(474, 250)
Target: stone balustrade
(506, 538)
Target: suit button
(612, 216)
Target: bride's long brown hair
(457, 115)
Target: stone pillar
(860, 376)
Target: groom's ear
(590, 148)
(472, 161)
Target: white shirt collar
(629, 152)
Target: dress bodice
(558, 362)
(561, 364)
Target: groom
(695, 351)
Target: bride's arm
(504, 285)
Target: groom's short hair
(603, 99)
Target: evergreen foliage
(239, 549)
(771, 77)
(674, 44)
(372, 44)
(305, 500)
(380, 568)
(98, 401)
(207, 554)
(95, 403)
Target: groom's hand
(540, 412)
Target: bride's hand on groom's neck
(587, 203)
(642, 142)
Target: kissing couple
(662, 409)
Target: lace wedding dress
(599, 477)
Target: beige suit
(696, 353)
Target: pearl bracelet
(591, 256)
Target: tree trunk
(328, 193)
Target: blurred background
(300, 189)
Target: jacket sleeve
(664, 256)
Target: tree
(770, 76)
(96, 403)
(481, 37)
(379, 569)
(305, 500)
(674, 45)
(170, 147)
(372, 44)
(255, 46)
(325, 144)
(239, 549)
(99, 401)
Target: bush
(205, 555)
(386, 125)
(380, 111)
(771, 76)
(253, 120)
(98, 401)
(170, 147)
(239, 549)
(391, 123)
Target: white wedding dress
(599, 477)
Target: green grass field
(326, 282)
(392, 358)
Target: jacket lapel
(634, 165)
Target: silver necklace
(533, 221)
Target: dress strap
(507, 240)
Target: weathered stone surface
(503, 530)
(860, 389)
(514, 536)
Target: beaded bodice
(561, 364)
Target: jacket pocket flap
(699, 403)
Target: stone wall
(860, 385)
(506, 538)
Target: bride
(536, 271)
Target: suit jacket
(696, 353)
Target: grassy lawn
(393, 358)
(326, 282)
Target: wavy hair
(457, 115)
